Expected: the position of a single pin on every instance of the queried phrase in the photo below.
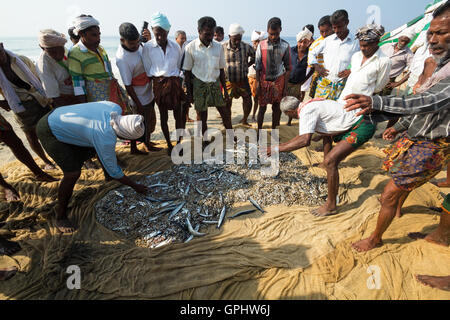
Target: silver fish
(119, 194)
(210, 222)
(242, 213)
(132, 207)
(199, 191)
(192, 231)
(220, 175)
(256, 205)
(165, 210)
(187, 190)
(222, 217)
(177, 209)
(192, 237)
(159, 185)
(204, 215)
(202, 180)
(164, 243)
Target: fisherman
(53, 70)
(90, 67)
(326, 30)
(238, 56)
(301, 73)
(273, 68)
(204, 67)
(131, 68)
(423, 149)
(369, 74)
(71, 135)
(162, 63)
(73, 38)
(337, 51)
(219, 34)
(257, 37)
(25, 96)
(9, 137)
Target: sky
(26, 18)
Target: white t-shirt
(130, 65)
(54, 76)
(326, 117)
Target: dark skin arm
(64, 100)
(81, 99)
(139, 188)
(134, 97)
(356, 101)
(190, 88)
(297, 143)
(4, 105)
(321, 70)
(344, 74)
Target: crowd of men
(72, 108)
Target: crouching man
(74, 134)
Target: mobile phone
(144, 39)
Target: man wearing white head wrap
(257, 37)
(84, 22)
(305, 34)
(238, 56)
(401, 58)
(52, 68)
(74, 134)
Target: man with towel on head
(162, 62)
(300, 77)
(238, 56)
(53, 69)
(139, 88)
(90, 67)
(74, 134)
(25, 96)
(257, 37)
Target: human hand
(390, 134)
(358, 101)
(321, 71)
(139, 188)
(147, 34)
(344, 74)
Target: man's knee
(391, 194)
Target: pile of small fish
(188, 198)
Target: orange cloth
(140, 80)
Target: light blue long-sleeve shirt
(88, 125)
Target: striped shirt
(273, 59)
(237, 61)
(86, 65)
(427, 114)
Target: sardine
(242, 213)
(165, 210)
(204, 215)
(192, 237)
(222, 217)
(205, 179)
(119, 194)
(192, 231)
(199, 191)
(159, 185)
(132, 207)
(256, 205)
(210, 222)
(177, 209)
(187, 190)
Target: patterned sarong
(271, 92)
(329, 90)
(237, 90)
(414, 163)
(207, 95)
(253, 85)
(107, 90)
(168, 92)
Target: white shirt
(160, 64)
(204, 62)
(337, 54)
(418, 64)
(53, 76)
(326, 117)
(130, 65)
(369, 78)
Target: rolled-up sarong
(168, 92)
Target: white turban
(305, 34)
(50, 39)
(236, 29)
(263, 36)
(409, 33)
(259, 36)
(83, 23)
(128, 127)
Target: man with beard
(424, 149)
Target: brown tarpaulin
(284, 254)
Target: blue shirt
(299, 68)
(88, 125)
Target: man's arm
(132, 93)
(288, 67)
(4, 105)
(435, 99)
(223, 81)
(297, 143)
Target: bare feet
(324, 211)
(9, 248)
(138, 152)
(49, 167)
(441, 283)
(367, 245)
(44, 177)
(65, 226)
(435, 238)
(6, 274)
(11, 195)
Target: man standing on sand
(238, 56)
(350, 131)
(326, 30)
(74, 134)
(273, 68)
(131, 68)
(204, 67)
(424, 149)
(53, 70)
(257, 37)
(337, 51)
(162, 63)
(301, 73)
(25, 96)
